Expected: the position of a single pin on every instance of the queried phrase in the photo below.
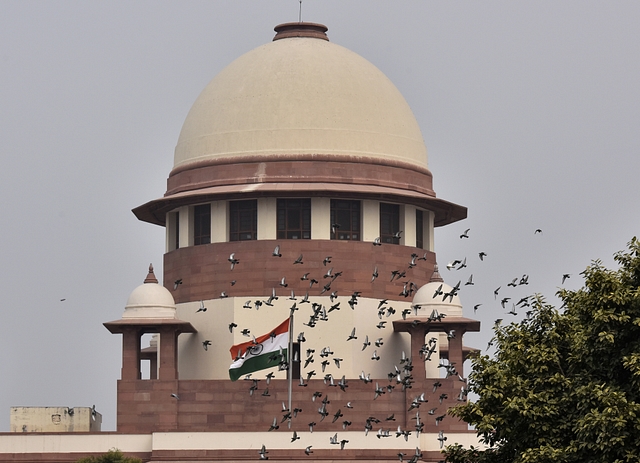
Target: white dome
(150, 300)
(424, 298)
(300, 95)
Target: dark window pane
(419, 229)
(389, 223)
(243, 218)
(294, 219)
(345, 219)
(202, 224)
(177, 230)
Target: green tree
(564, 384)
(112, 456)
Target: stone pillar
(168, 353)
(130, 353)
(153, 367)
(456, 356)
(418, 334)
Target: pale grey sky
(530, 112)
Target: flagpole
(290, 355)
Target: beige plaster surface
(300, 95)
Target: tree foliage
(564, 384)
(112, 456)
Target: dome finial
(435, 276)
(151, 278)
(300, 29)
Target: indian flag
(269, 350)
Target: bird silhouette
(232, 260)
(441, 438)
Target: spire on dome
(151, 278)
(435, 276)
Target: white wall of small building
(54, 419)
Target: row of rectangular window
(294, 221)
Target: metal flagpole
(290, 356)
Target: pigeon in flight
(263, 452)
(232, 260)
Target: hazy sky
(530, 112)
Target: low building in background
(55, 419)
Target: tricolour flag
(269, 350)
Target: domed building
(300, 202)
(304, 145)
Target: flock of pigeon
(320, 313)
(402, 376)
(505, 295)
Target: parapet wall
(225, 406)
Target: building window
(176, 231)
(419, 229)
(202, 224)
(389, 223)
(294, 219)
(243, 220)
(345, 220)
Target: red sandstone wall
(302, 168)
(205, 271)
(225, 406)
